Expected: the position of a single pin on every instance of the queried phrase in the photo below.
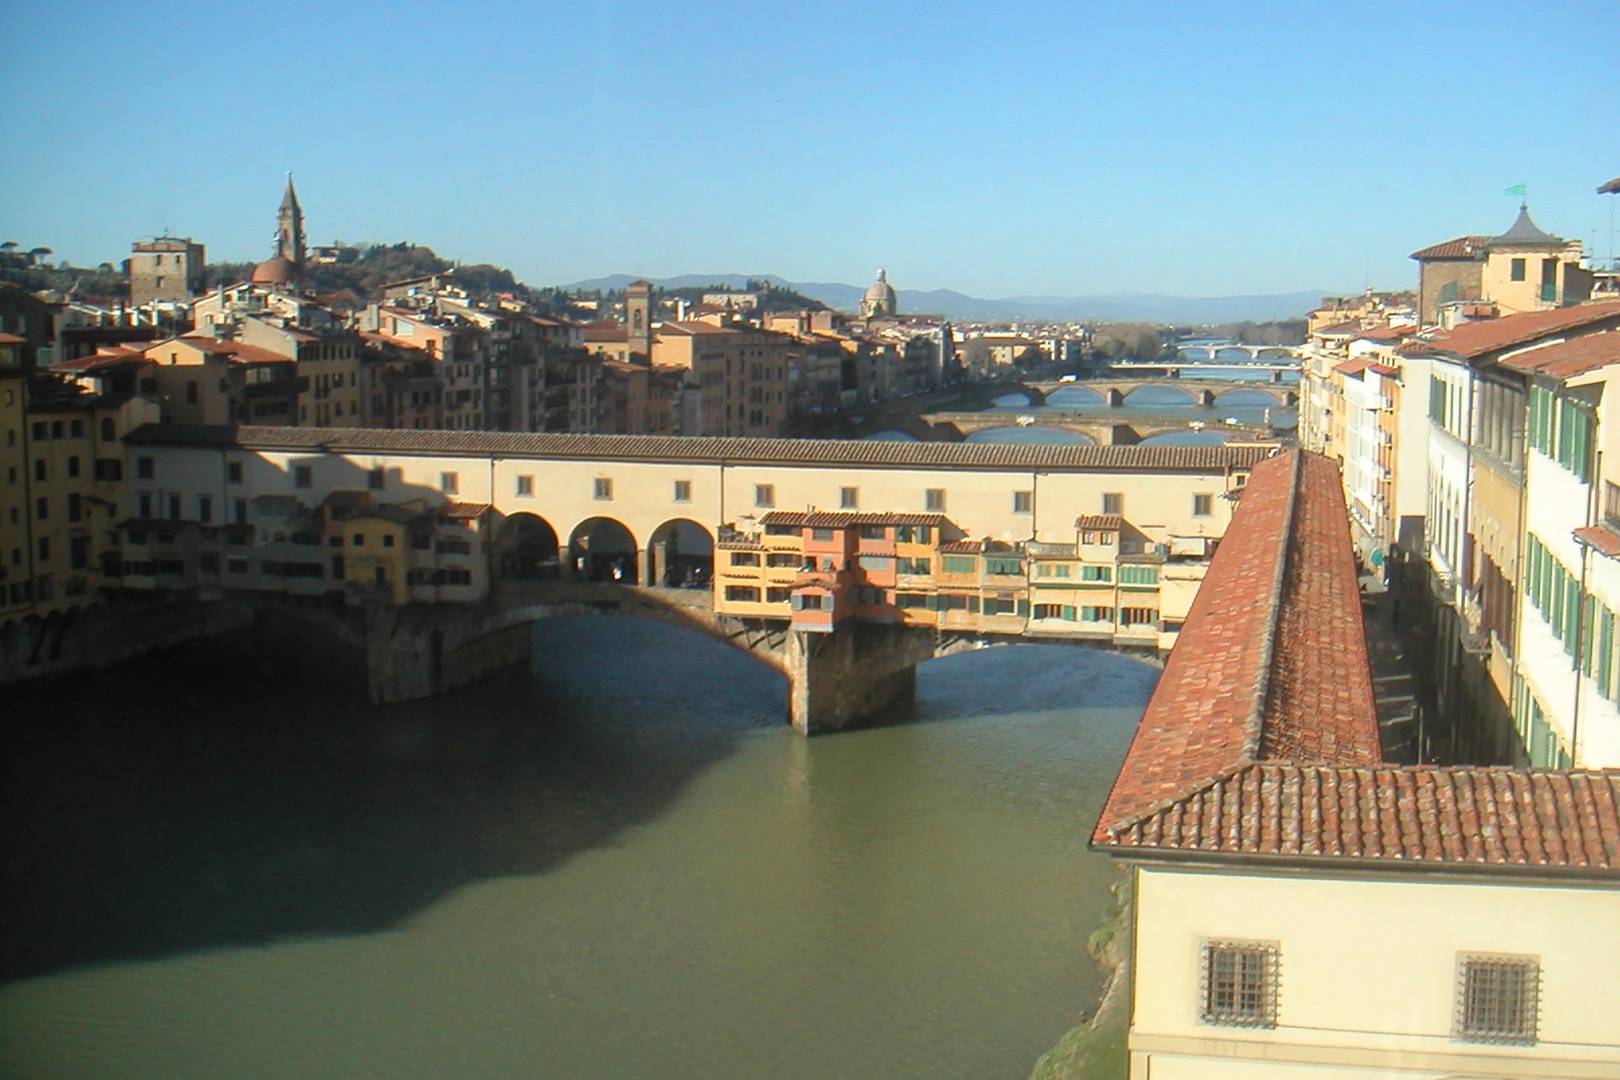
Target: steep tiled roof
(1464, 247)
(1261, 741)
(1567, 358)
(1474, 340)
(717, 451)
(1459, 817)
(1100, 521)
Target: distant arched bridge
(1117, 391)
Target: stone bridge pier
(842, 679)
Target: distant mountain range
(1155, 308)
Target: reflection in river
(221, 863)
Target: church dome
(275, 270)
(880, 298)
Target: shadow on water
(243, 791)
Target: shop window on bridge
(874, 532)
(1096, 573)
(811, 602)
(934, 500)
(1113, 502)
(1003, 567)
(914, 566)
(959, 564)
(880, 564)
(764, 495)
(1023, 502)
(744, 558)
(778, 529)
(742, 593)
(1054, 611)
(914, 534)
(783, 560)
(823, 535)
(1003, 605)
(849, 498)
(683, 491)
(525, 487)
(1138, 616)
(912, 601)
(778, 595)
(1053, 570)
(1093, 613)
(958, 602)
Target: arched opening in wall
(526, 549)
(680, 556)
(601, 549)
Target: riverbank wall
(1095, 1050)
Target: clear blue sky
(1199, 149)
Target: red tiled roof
(462, 511)
(1100, 521)
(1353, 367)
(1262, 741)
(1385, 370)
(1342, 329)
(843, 519)
(12, 339)
(1573, 357)
(961, 547)
(1464, 247)
(1603, 540)
(1459, 817)
(1474, 340)
(1389, 333)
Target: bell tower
(290, 228)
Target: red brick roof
(1262, 741)
(1600, 538)
(1100, 521)
(843, 519)
(1573, 357)
(1464, 247)
(1474, 340)
(1353, 367)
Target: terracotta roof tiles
(1565, 359)
(1464, 247)
(1475, 340)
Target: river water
(220, 862)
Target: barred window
(1240, 983)
(1497, 998)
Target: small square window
(849, 498)
(1113, 502)
(1203, 505)
(934, 500)
(1023, 502)
(376, 479)
(765, 495)
(1240, 984)
(388, 539)
(683, 491)
(233, 472)
(450, 483)
(1497, 998)
(303, 476)
(525, 487)
(602, 488)
(145, 468)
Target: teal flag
(1516, 189)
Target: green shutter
(1068, 612)
(1023, 608)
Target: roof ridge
(1254, 727)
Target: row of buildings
(1475, 432)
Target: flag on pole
(1516, 189)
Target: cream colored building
(1302, 909)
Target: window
(744, 593)
(744, 558)
(303, 476)
(1138, 616)
(765, 495)
(1052, 570)
(1113, 502)
(525, 487)
(1096, 573)
(849, 498)
(934, 500)
(1497, 998)
(823, 535)
(205, 509)
(358, 540)
(778, 595)
(683, 491)
(39, 468)
(145, 468)
(450, 483)
(388, 539)
(233, 472)
(1239, 983)
(1139, 575)
(914, 566)
(1095, 613)
(959, 564)
(881, 564)
(1203, 505)
(1516, 270)
(914, 534)
(42, 509)
(73, 466)
(602, 489)
(782, 560)
(376, 479)
(75, 506)
(44, 549)
(1023, 502)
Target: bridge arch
(603, 549)
(1161, 396)
(526, 549)
(680, 555)
(1251, 397)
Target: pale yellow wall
(1368, 968)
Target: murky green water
(220, 863)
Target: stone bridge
(1199, 391)
(1098, 429)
